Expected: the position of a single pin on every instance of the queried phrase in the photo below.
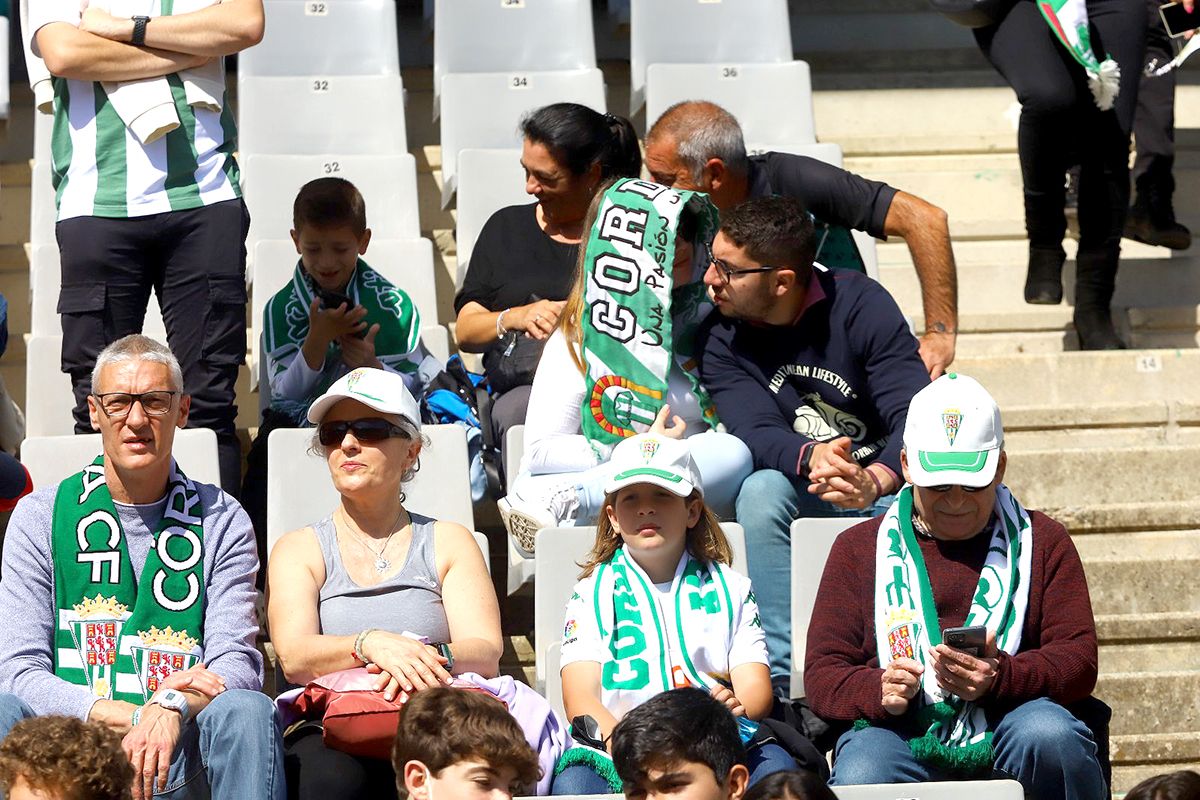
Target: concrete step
(1152, 702)
(1164, 656)
(1157, 748)
(1146, 630)
(1101, 438)
(1053, 478)
(1142, 573)
(1004, 254)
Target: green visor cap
(658, 473)
(960, 462)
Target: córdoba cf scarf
(1068, 19)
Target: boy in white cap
(956, 549)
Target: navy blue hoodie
(848, 367)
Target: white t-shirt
(695, 634)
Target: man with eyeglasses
(699, 146)
(953, 637)
(813, 369)
(128, 599)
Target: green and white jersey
(100, 168)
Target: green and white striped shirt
(100, 169)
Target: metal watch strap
(139, 31)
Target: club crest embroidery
(901, 634)
(162, 651)
(97, 634)
(649, 448)
(951, 422)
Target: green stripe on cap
(658, 473)
(944, 462)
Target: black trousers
(1061, 125)
(1154, 124)
(195, 261)
(315, 772)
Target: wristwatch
(444, 651)
(139, 31)
(176, 701)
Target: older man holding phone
(955, 631)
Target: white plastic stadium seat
(556, 555)
(812, 539)
(50, 413)
(43, 126)
(321, 38)
(42, 210)
(483, 110)
(488, 180)
(45, 280)
(514, 448)
(50, 459)
(772, 102)
(510, 36)
(4, 88)
(712, 31)
(300, 492)
(388, 184)
(347, 115)
(831, 154)
(943, 790)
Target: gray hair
(136, 347)
(315, 448)
(701, 131)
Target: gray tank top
(410, 600)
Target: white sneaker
(523, 520)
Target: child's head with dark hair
(329, 229)
(795, 784)
(682, 742)
(1181, 785)
(457, 744)
(63, 758)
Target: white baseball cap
(953, 433)
(381, 390)
(655, 459)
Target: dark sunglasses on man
(369, 429)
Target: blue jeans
(766, 506)
(233, 748)
(582, 779)
(1039, 743)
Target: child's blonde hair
(705, 540)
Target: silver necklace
(381, 563)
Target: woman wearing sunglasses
(374, 584)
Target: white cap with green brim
(381, 390)
(658, 460)
(953, 434)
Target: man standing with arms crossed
(147, 190)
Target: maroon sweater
(1057, 658)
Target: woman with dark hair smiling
(523, 264)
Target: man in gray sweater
(128, 599)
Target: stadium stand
(751, 92)
(488, 180)
(684, 31)
(324, 39)
(524, 36)
(45, 279)
(50, 459)
(481, 110)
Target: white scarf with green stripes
(1068, 20)
(954, 733)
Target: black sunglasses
(945, 487)
(370, 429)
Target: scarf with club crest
(955, 735)
(119, 636)
(636, 322)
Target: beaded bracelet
(358, 644)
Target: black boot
(1095, 280)
(1151, 220)
(1043, 280)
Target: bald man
(699, 146)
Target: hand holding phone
(971, 640)
(1178, 20)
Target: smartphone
(1177, 21)
(331, 299)
(971, 640)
